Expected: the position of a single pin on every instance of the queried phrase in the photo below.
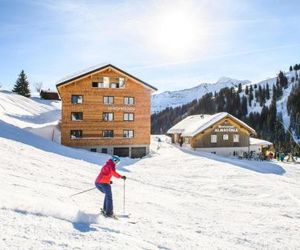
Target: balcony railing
(100, 138)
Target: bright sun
(176, 31)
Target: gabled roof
(94, 69)
(259, 142)
(194, 124)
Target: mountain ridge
(180, 97)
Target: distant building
(106, 110)
(49, 95)
(220, 133)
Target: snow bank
(38, 116)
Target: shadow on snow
(11, 132)
(45, 117)
(263, 167)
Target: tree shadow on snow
(11, 132)
(263, 167)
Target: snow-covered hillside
(281, 104)
(176, 198)
(177, 98)
(33, 114)
(179, 199)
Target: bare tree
(38, 86)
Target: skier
(103, 182)
(158, 143)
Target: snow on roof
(192, 125)
(255, 141)
(81, 72)
(96, 68)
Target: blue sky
(169, 44)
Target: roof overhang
(76, 77)
(215, 119)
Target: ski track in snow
(180, 199)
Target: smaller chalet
(220, 133)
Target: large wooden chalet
(107, 110)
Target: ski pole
(124, 197)
(84, 191)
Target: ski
(119, 217)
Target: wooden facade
(113, 118)
(225, 134)
(230, 128)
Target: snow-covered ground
(33, 114)
(180, 199)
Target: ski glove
(123, 177)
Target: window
(108, 133)
(103, 85)
(76, 116)
(116, 82)
(236, 138)
(77, 99)
(76, 134)
(103, 82)
(108, 116)
(114, 85)
(121, 82)
(225, 137)
(108, 100)
(108, 82)
(104, 151)
(129, 100)
(93, 149)
(213, 138)
(128, 116)
(95, 84)
(128, 133)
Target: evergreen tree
(240, 88)
(22, 85)
(267, 92)
(279, 91)
(291, 68)
(247, 90)
(274, 96)
(282, 80)
(250, 97)
(244, 106)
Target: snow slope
(177, 98)
(179, 199)
(33, 114)
(281, 104)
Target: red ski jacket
(107, 171)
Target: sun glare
(176, 31)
